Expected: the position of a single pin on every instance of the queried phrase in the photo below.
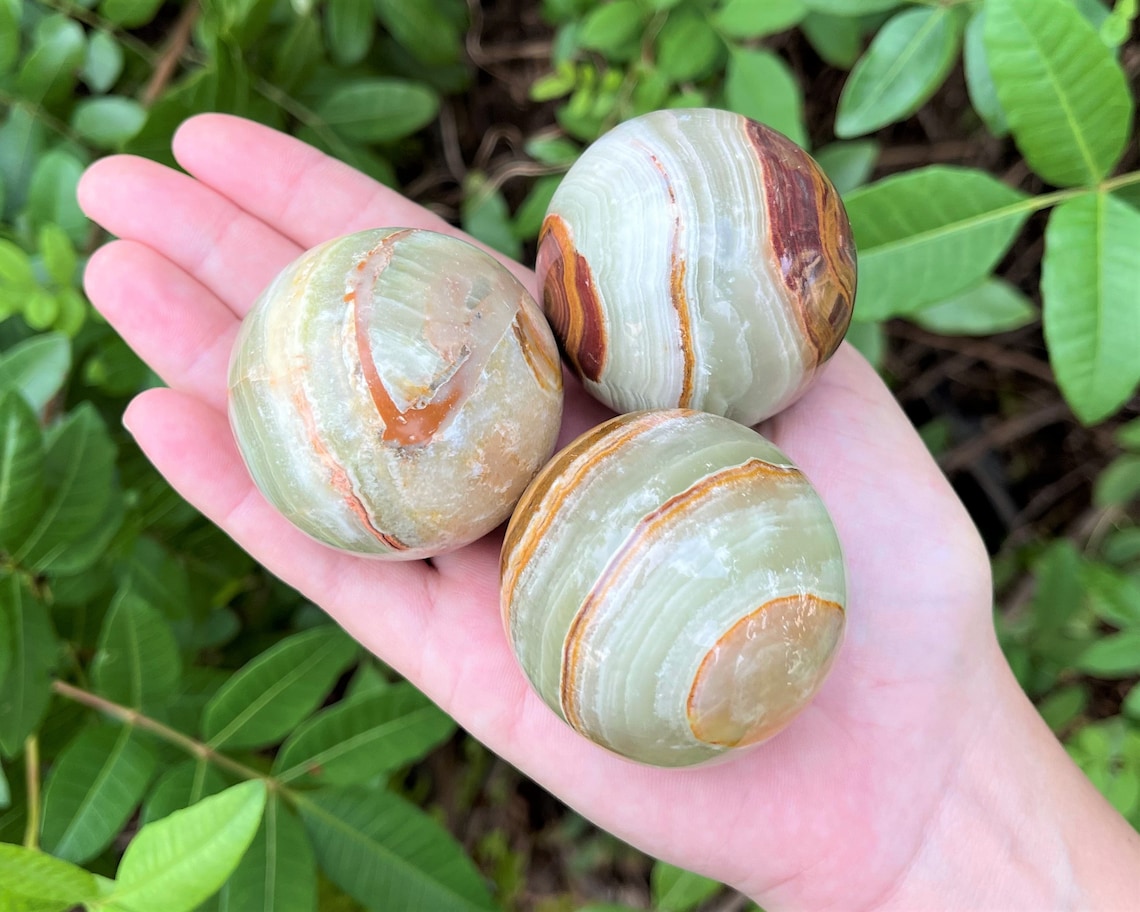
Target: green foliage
(158, 673)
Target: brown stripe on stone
(741, 664)
(571, 300)
(534, 515)
(648, 532)
(418, 423)
(338, 475)
(812, 247)
(542, 361)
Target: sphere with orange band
(393, 392)
(673, 587)
(697, 259)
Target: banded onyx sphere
(673, 586)
(393, 392)
(696, 258)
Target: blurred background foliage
(987, 154)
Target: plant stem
(32, 777)
(133, 717)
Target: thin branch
(168, 63)
(133, 717)
(32, 777)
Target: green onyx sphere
(392, 393)
(695, 258)
(673, 587)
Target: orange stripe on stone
(419, 423)
(338, 475)
(648, 533)
(677, 297)
(542, 362)
(709, 704)
(571, 300)
(540, 504)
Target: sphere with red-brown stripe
(698, 259)
(673, 587)
(392, 393)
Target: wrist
(1019, 826)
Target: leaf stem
(129, 716)
(32, 777)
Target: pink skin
(838, 811)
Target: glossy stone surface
(696, 258)
(393, 392)
(673, 587)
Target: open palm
(830, 812)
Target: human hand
(833, 811)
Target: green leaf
(52, 195)
(848, 164)
(1115, 656)
(104, 62)
(905, 64)
(749, 19)
(1131, 705)
(79, 487)
(5, 789)
(175, 863)
(851, 7)
(93, 788)
(270, 695)
(278, 872)
(58, 255)
(359, 739)
(48, 72)
(612, 27)
(21, 143)
(485, 216)
(387, 853)
(129, 13)
(32, 652)
(421, 29)
(532, 210)
(31, 881)
(1060, 586)
(1090, 273)
(994, 306)
(349, 27)
(1062, 706)
(16, 270)
(108, 122)
(677, 890)
(21, 470)
(1122, 546)
(1065, 97)
(9, 35)
(838, 40)
(928, 234)
(1128, 435)
(979, 80)
(687, 47)
(870, 339)
(137, 663)
(553, 150)
(758, 84)
(180, 787)
(37, 367)
(379, 110)
(1119, 483)
(1114, 596)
